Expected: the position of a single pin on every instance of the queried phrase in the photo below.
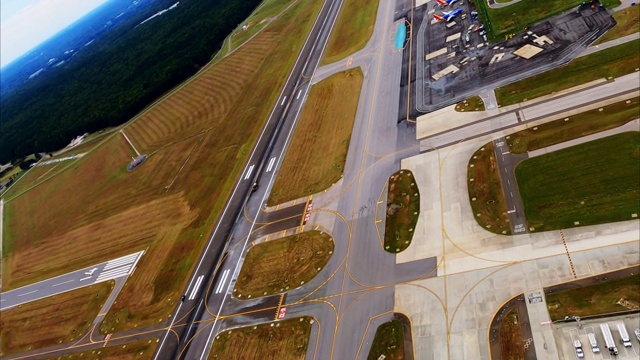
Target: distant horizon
(25, 24)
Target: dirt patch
(280, 265)
(282, 340)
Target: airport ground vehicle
(608, 339)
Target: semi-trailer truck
(608, 339)
(624, 335)
(578, 346)
(593, 342)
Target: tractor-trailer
(624, 335)
(608, 339)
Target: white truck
(637, 331)
(608, 339)
(578, 346)
(593, 342)
(624, 335)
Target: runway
(113, 269)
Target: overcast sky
(27, 23)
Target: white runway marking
(27, 293)
(120, 261)
(64, 282)
(283, 100)
(299, 92)
(222, 281)
(271, 162)
(194, 291)
(249, 172)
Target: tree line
(111, 85)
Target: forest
(134, 66)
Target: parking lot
(566, 333)
(454, 61)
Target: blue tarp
(401, 35)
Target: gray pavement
(506, 165)
(630, 126)
(611, 43)
(118, 268)
(549, 107)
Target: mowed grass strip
(586, 123)
(403, 209)
(282, 340)
(96, 210)
(587, 184)
(610, 63)
(518, 16)
(352, 31)
(628, 22)
(51, 321)
(258, 20)
(485, 191)
(317, 154)
(473, 103)
(139, 350)
(279, 265)
(596, 299)
(511, 344)
(388, 341)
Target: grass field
(258, 20)
(611, 63)
(278, 265)
(485, 191)
(352, 31)
(473, 103)
(96, 210)
(318, 151)
(403, 209)
(583, 124)
(628, 22)
(139, 350)
(389, 341)
(516, 17)
(285, 340)
(592, 183)
(511, 344)
(601, 298)
(58, 319)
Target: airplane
(446, 2)
(447, 15)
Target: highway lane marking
(64, 282)
(222, 281)
(249, 172)
(283, 100)
(85, 278)
(508, 181)
(299, 92)
(27, 293)
(196, 287)
(271, 162)
(511, 192)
